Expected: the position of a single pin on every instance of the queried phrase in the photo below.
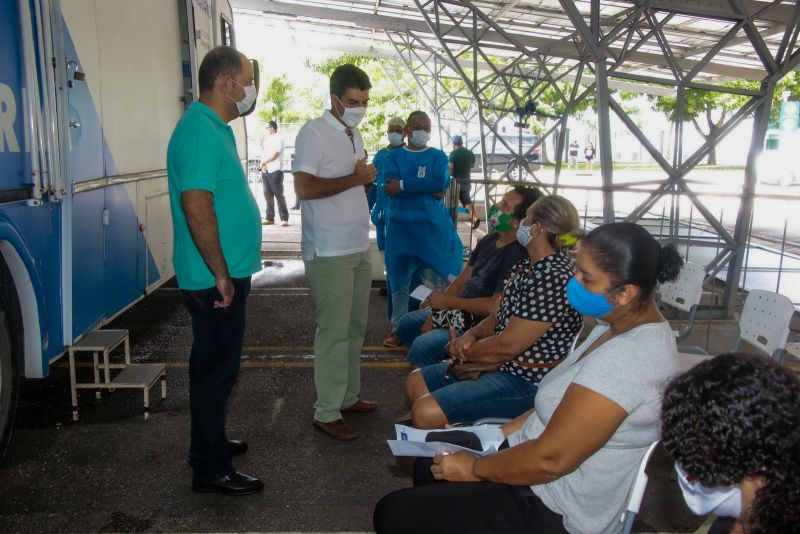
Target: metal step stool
(132, 375)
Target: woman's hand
(454, 467)
(459, 345)
(438, 300)
(427, 326)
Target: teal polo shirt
(202, 155)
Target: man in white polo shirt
(330, 173)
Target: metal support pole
(743, 219)
(603, 119)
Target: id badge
(421, 171)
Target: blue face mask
(524, 235)
(587, 303)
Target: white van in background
(779, 163)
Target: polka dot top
(538, 292)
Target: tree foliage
(708, 110)
(284, 102)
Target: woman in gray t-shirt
(570, 461)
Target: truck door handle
(74, 124)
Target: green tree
(791, 84)
(714, 108)
(711, 107)
(275, 97)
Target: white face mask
(395, 139)
(351, 117)
(524, 235)
(724, 502)
(420, 137)
(250, 94)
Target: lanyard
(352, 141)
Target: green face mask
(499, 221)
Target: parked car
(778, 164)
(499, 157)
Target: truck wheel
(9, 382)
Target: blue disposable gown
(378, 214)
(419, 231)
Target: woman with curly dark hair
(568, 464)
(732, 424)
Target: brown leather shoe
(361, 406)
(338, 429)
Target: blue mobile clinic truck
(89, 94)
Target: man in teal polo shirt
(217, 247)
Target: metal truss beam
(721, 9)
(544, 46)
(501, 66)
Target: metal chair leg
(97, 392)
(72, 387)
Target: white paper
(421, 292)
(411, 441)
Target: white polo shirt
(273, 144)
(337, 225)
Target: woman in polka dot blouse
(531, 331)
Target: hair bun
(669, 264)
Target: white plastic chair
(637, 492)
(764, 324)
(684, 294)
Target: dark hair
(346, 76)
(628, 254)
(529, 196)
(273, 125)
(219, 61)
(414, 114)
(737, 415)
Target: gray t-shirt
(630, 369)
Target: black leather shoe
(234, 484)
(237, 446)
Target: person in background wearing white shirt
(330, 173)
(272, 175)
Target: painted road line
(256, 364)
(300, 349)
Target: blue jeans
(425, 349)
(401, 295)
(497, 394)
(217, 336)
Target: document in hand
(411, 441)
(421, 292)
